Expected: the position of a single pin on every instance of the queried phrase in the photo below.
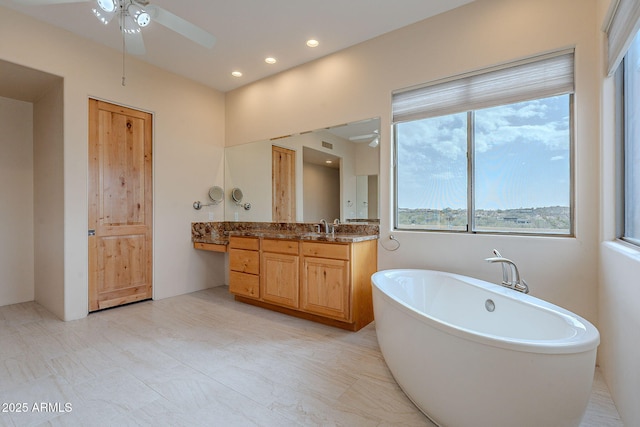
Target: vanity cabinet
(279, 264)
(327, 282)
(244, 266)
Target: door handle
(92, 232)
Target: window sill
(624, 248)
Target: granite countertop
(219, 232)
(322, 237)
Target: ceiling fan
(133, 15)
(372, 138)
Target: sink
(315, 235)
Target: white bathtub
(526, 363)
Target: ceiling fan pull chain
(123, 74)
(123, 45)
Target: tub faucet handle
(521, 286)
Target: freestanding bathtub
(470, 353)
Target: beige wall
(619, 292)
(48, 199)
(619, 327)
(321, 193)
(357, 83)
(248, 167)
(188, 150)
(16, 198)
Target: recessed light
(270, 60)
(312, 43)
(328, 162)
(236, 74)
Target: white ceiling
(247, 31)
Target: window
(624, 63)
(488, 152)
(630, 170)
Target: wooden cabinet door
(283, 170)
(120, 205)
(279, 279)
(325, 287)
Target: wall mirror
(328, 173)
(216, 194)
(236, 195)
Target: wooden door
(284, 184)
(120, 205)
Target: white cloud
(432, 152)
(528, 122)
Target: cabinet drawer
(244, 284)
(213, 247)
(249, 243)
(280, 246)
(244, 261)
(326, 250)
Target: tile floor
(202, 359)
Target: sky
(522, 158)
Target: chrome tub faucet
(513, 280)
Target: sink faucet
(514, 282)
(327, 227)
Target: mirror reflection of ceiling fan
(372, 138)
(133, 15)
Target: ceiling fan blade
(362, 138)
(181, 26)
(46, 2)
(134, 43)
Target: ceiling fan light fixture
(107, 5)
(104, 17)
(141, 16)
(143, 19)
(129, 25)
